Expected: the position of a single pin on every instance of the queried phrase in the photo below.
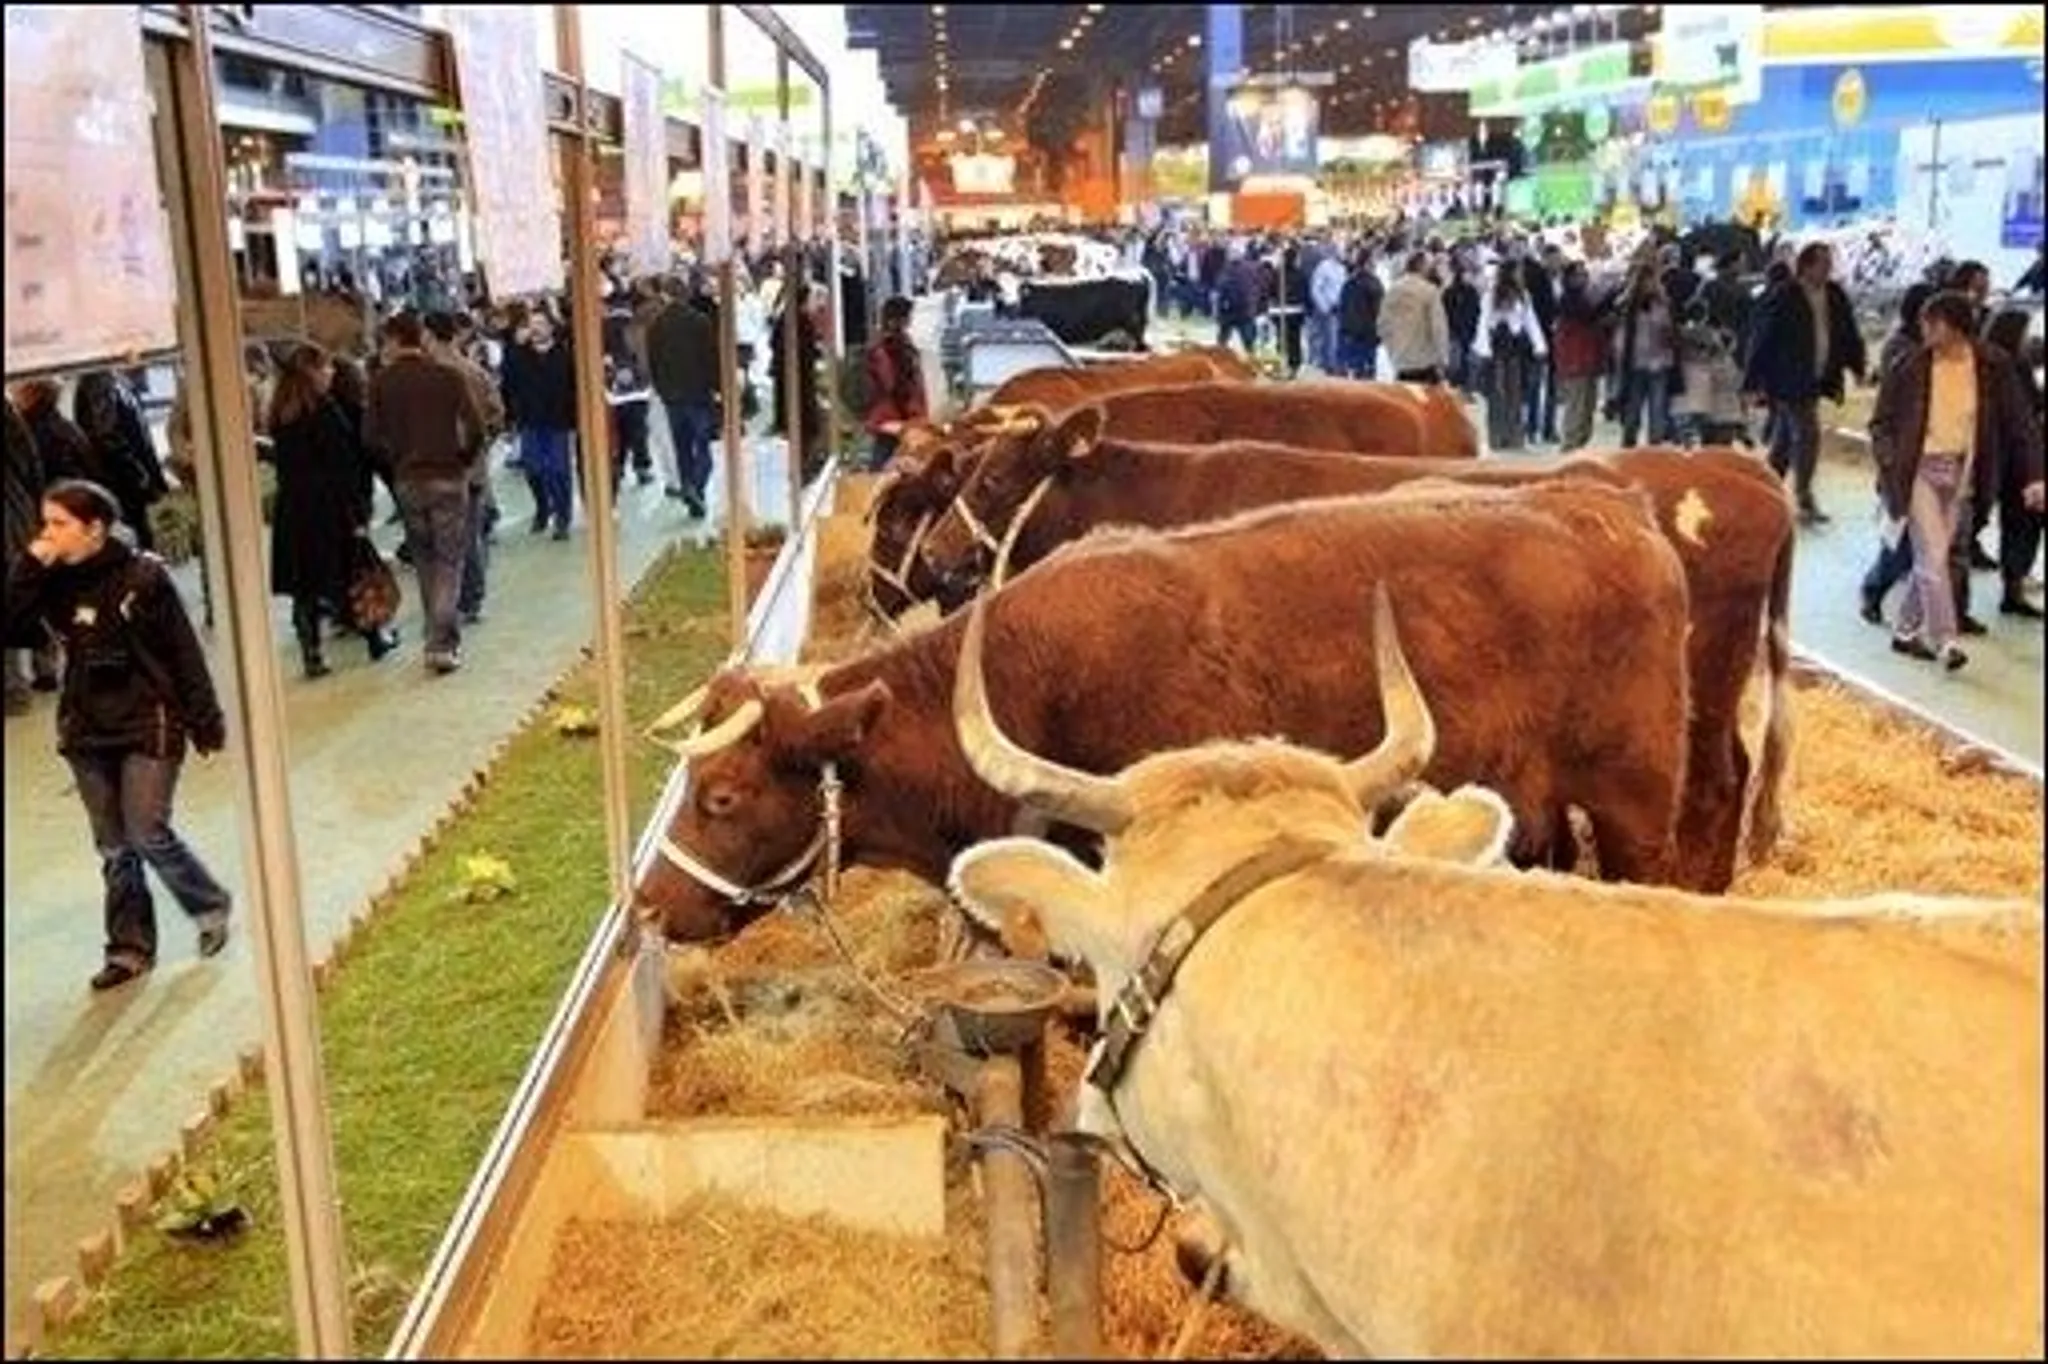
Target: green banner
(1596, 72)
(680, 100)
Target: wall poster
(89, 271)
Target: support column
(1223, 49)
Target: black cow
(1082, 312)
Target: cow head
(752, 826)
(913, 491)
(1173, 822)
(967, 546)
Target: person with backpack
(136, 695)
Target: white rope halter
(777, 887)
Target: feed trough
(994, 1007)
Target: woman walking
(136, 692)
(1508, 346)
(1646, 355)
(323, 503)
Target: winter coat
(25, 484)
(682, 353)
(1358, 307)
(807, 378)
(323, 503)
(2008, 433)
(110, 415)
(135, 680)
(1781, 353)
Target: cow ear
(1470, 826)
(837, 729)
(1077, 437)
(1036, 896)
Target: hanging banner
(504, 109)
(779, 230)
(89, 274)
(646, 168)
(716, 156)
(757, 186)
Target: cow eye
(718, 801)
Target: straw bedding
(721, 1280)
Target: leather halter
(999, 550)
(1137, 1004)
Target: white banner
(646, 130)
(1712, 47)
(779, 227)
(1437, 68)
(715, 156)
(505, 132)
(757, 186)
(89, 275)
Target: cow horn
(685, 709)
(725, 733)
(1096, 803)
(1410, 739)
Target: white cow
(1435, 1107)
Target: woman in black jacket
(2019, 526)
(136, 692)
(323, 502)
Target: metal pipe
(733, 437)
(796, 290)
(594, 439)
(1073, 1246)
(230, 507)
(1007, 1202)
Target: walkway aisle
(97, 1086)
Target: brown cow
(1347, 417)
(1573, 693)
(1059, 391)
(1723, 511)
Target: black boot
(306, 625)
(381, 641)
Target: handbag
(373, 593)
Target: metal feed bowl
(995, 1006)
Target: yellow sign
(1851, 98)
(1710, 109)
(1902, 30)
(1661, 113)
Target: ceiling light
(1066, 44)
(939, 10)
(1368, 11)
(1194, 40)
(1343, 25)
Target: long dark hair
(85, 501)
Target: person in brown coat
(1950, 424)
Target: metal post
(796, 288)
(210, 333)
(594, 441)
(835, 347)
(1073, 1247)
(729, 379)
(1006, 1182)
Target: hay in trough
(804, 1036)
(1874, 805)
(722, 1280)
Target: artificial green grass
(427, 1027)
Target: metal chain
(807, 901)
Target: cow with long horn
(1421, 1106)
(1729, 518)
(1572, 695)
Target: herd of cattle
(1423, 1102)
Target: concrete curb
(59, 1300)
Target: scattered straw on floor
(1873, 805)
(722, 1281)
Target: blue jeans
(438, 532)
(689, 432)
(128, 801)
(545, 452)
(1645, 406)
(1244, 328)
(1358, 358)
(1323, 342)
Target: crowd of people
(1739, 347)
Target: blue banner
(1224, 50)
